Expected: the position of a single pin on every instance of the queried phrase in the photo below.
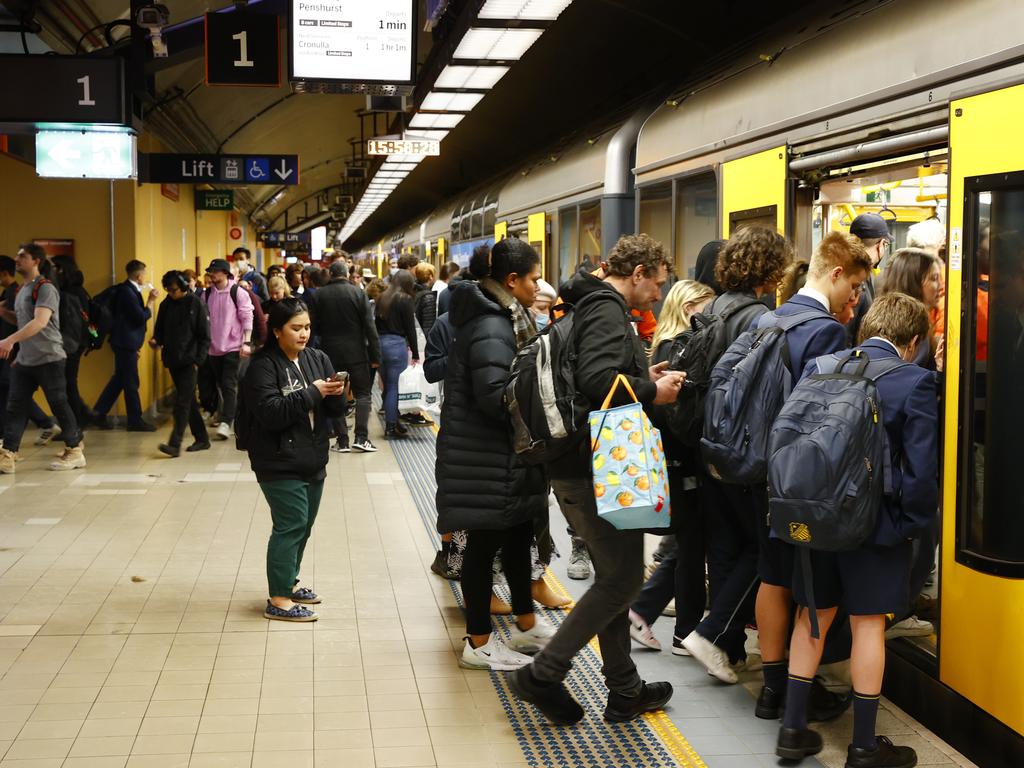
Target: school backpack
(696, 351)
(72, 318)
(101, 316)
(830, 461)
(546, 409)
(749, 384)
(259, 317)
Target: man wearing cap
(342, 319)
(231, 315)
(873, 232)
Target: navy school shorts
(867, 582)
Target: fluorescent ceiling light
(539, 10)
(415, 159)
(423, 120)
(395, 165)
(496, 44)
(478, 78)
(422, 134)
(451, 102)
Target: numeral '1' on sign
(85, 101)
(243, 43)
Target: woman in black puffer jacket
(287, 397)
(482, 486)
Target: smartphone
(341, 376)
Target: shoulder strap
(869, 369)
(787, 323)
(35, 289)
(206, 294)
(738, 307)
(234, 293)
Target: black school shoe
(798, 743)
(199, 446)
(884, 755)
(553, 700)
(652, 697)
(171, 450)
(822, 706)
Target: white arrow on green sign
(85, 154)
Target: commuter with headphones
(182, 330)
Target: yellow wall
(150, 227)
(753, 182)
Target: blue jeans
(394, 351)
(125, 379)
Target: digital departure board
(353, 41)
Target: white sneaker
(494, 655)
(711, 656)
(910, 627)
(640, 631)
(47, 435)
(72, 458)
(223, 431)
(533, 639)
(7, 461)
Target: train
(906, 108)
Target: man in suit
(128, 332)
(839, 269)
(873, 580)
(342, 319)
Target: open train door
(982, 577)
(754, 191)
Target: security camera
(155, 18)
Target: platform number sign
(62, 89)
(243, 48)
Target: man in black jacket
(343, 321)
(128, 331)
(606, 345)
(182, 329)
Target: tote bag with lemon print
(630, 473)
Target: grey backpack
(829, 458)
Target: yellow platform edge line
(660, 723)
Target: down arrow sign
(284, 171)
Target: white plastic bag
(415, 393)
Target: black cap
(869, 225)
(219, 265)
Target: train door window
(567, 243)
(655, 213)
(590, 234)
(765, 216)
(696, 219)
(456, 235)
(490, 211)
(991, 512)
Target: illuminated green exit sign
(85, 155)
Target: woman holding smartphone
(288, 395)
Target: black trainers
(415, 419)
(769, 704)
(341, 446)
(552, 699)
(365, 446)
(652, 697)
(884, 755)
(393, 433)
(199, 446)
(171, 450)
(797, 743)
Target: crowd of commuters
(287, 356)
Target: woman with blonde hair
(277, 290)
(680, 574)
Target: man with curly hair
(606, 346)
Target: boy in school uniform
(873, 580)
(838, 271)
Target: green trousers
(293, 506)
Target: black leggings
(481, 546)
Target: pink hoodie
(228, 323)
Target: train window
(696, 219)
(567, 243)
(991, 510)
(466, 230)
(476, 221)
(655, 214)
(490, 212)
(590, 233)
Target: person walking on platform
(606, 346)
(127, 333)
(289, 394)
(231, 323)
(872, 580)
(343, 321)
(8, 325)
(182, 330)
(39, 363)
(482, 486)
(396, 325)
(249, 274)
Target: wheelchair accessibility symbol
(257, 169)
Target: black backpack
(101, 316)
(71, 317)
(697, 351)
(830, 460)
(749, 384)
(259, 318)
(546, 409)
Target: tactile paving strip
(652, 742)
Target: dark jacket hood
(470, 301)
(704, 271)
(582, 284)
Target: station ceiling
(590, 69)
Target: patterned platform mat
(651, 742)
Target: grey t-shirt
(46, 346)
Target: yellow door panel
(754, 191)
(537, 235)
(982, 613)
(500, 231)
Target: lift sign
(427, 147)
